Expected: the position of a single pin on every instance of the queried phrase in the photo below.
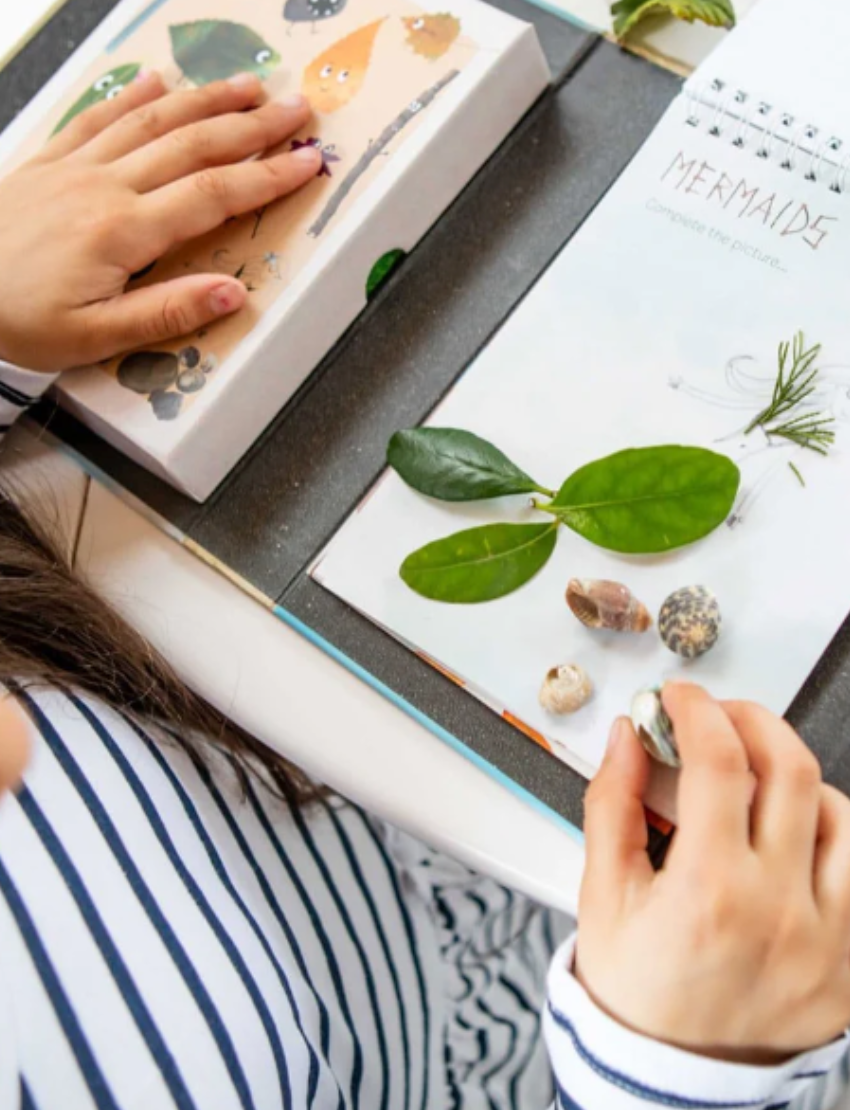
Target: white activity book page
(659, 323)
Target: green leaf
(648, 499)
(480, 564)
(628, 13)
(453, 465)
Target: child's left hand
(116, 189)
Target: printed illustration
(104, 88)
(328, 152)
(375, 149)
(785, 417)
(166, 378)
(311, 11)
(215, 49)
(432, 35)
(336, 76)
(412, 59)
(134, 24)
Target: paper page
(659, 323)
(794, 57)
(20, 22)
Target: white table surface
(290, 694)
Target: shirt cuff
(19, 389)
(599, 1062)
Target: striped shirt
(166, 941)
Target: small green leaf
(453, 465)
(480, 564)
(648, 499)
(628, 13)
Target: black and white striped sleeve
(599, 1063)
(19, 389)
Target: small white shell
(654, 727)
(565, 689)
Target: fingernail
(243, 80)
(144, 75)
(294, 101)
(618, 731)
(224, 299)
(307, 154)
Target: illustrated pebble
(654, 728)
(190, 381)
(565, 689)
(146, 371)
(190, 357)
(600, 603)
(689, 621)
(166, 406)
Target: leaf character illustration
(329, 155)
(336, 76)
(215, 49)
(432, 35)
(104, 88)
(312, 11)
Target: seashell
(599, 603)
(565, 689)
(654, 727)
(689, 621)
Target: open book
(410, 99)
(19, 22)
(659, 323)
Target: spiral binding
(735, 115)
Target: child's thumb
(157, 313)
(615, 822)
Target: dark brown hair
(56, 631)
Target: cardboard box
(410, 102)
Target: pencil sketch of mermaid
(799, 410)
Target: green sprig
(793, 387)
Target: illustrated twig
(375, 149)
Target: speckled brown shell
(689, 621)
(600, 603)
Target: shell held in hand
(654, 728)
(689, 621)
(565, 689)
(599, 603)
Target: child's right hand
(739, 948)
(122, 184)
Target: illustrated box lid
(409, 101)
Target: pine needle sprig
(793, 387)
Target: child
(186, 920)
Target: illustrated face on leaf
(104, 88)
(215, 49)
(432, 35)
(337, 75)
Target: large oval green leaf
(454, 465)
(649, 499)
(480, 564)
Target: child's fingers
(214, 142)
(157, 313)
(715, 785)
(85, 127)
(615, 821)
(784, 817)
(198, 204)
(831, 875)
(179, 109)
